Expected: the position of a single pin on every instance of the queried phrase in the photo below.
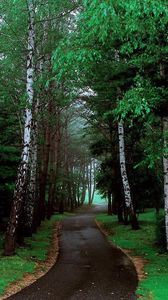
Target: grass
(25, 260)
(142, 243)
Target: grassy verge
(142, 243)
(25, 260)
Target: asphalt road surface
(89, 267)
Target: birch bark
(89, 182)
(33, 190)
(84, 187)
(32, 185)
(126, 186)
(94, 181)
(19, 192)
(165, 169)
(125, 182)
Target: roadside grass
(142, 243)
(25, 260)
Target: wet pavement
(89, 267)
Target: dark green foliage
(100, 147)
(144, 163)
(9, 157)
(118, 49)
(105, 178)
(161, 232)
(146, 188)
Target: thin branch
(63, 14)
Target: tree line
(44, 167)
(96, 65)
(119, 50)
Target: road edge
(138, 261)
(41, 268)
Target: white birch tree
(124, 177)
(20, 187)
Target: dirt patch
(41, 267)
(138, 261)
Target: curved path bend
(89, 267)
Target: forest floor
(32, 261)
(140, 245)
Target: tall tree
(127, 193)
(20, 189)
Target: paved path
(89, 268)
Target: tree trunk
(84, 187)
(165, 169)
(94, 181)
(109, 203)
(32, 185)
(44, 172)
(126, 187)
(89, 179)
(19, 193)
(54, 156)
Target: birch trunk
(84, 187)
(125, 182)
(19, 193)
(94, 180)
(32, 204)
(89, 182)
(165, 169)
(32, 186)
